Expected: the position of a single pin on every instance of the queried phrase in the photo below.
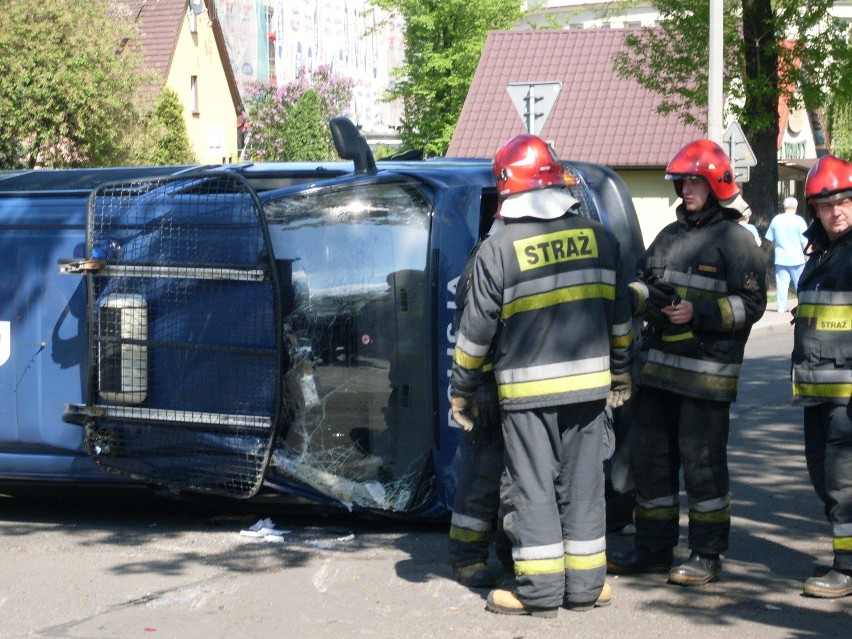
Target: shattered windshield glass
(352, 262)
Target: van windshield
(352, 262)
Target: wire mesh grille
(185, 354)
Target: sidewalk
(773, 321)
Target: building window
(193, 94)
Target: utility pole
(714, 74)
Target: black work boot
(701, 568)
(638, 560)
(835, 583)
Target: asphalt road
(127, 564)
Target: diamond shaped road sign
(534, 100)
(739, 150)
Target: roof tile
(598, 116)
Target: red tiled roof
(160, 22)
(597, 117)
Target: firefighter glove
(661, 294)
(620, 390)
(465, 412)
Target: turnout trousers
(552, 502)
(674, 431)
(828, 451)
(476, 504)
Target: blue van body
(250, 328)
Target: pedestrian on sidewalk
(787, 232)
(822, 361)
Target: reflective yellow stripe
(554, 248)
(559, 296)
(727, 312)
(468, 536)
(658, 514)
(705, 380)
(842, 543)
(822, 390)
(585, 562)
(467, 361)
(621, 341)
(556, 385)
(713, 517)
(678, 337)
(539, 566)
(828, 318)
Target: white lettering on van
(5, 342)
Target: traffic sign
(739, 151)
(533, 101)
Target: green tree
(169, 142)
(443, 44)
(839, 118)
(269, 111)
(306, 130)
(771, 48)
(69, 77)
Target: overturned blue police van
(281, 327)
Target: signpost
(534, 100)
(739, 151)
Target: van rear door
(184, 346)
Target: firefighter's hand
(465, 412)
(620, 390)
(680, 313)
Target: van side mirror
(351, 145)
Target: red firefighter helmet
(828, 179)
(707, 159)
(525, 163)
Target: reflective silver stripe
(823, 376)
(841, 530)
(471, 348)
(182, 272)
(659, 502)
(693, 365)
(550, 371)
(584, 547)
(530, 553)
(738, 307)
(184, 416)
(470, 523)
(710, 505)
(829, 298)
(561, 280)
(692, 280)
(622, 329)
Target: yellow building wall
(213, 128)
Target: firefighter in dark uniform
(822, 361)
(474, 523)
(551, 282)
(701, 286)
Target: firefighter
(551, 282)
(474, 521)
(701, 286)
(822, 361)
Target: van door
(184, 345)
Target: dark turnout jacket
(714, 263)
(557, 293)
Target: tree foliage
(69, 79)
(270, 109)
(772, 48)
(443, 44)
(169, 141)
